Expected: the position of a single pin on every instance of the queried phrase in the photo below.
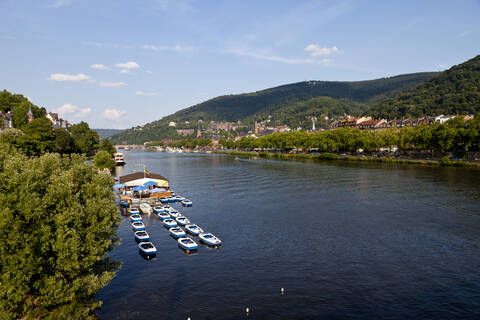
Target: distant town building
(57, 122)
(172, 124)
(6, 120)
(185, 132)
(30, 115)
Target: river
(345, 241)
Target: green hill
(288, 103)
(454, 91)
(105, 133)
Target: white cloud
(69, 77)
(266, 56)
(128, 65)
(98, 66)
(60, 3)
(71, 110)
(112, 84)
(124, 71)
(175, 48)
(317, 51)
(113, 114)
(141, 93)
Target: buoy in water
(247, 310)
(188, 251)
(282, 291)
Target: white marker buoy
(282, 291)
(247, 310)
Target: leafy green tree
(58, 220)
(64, 142)
(106, 145)
(103, 159)
(86, 139)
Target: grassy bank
(336, 157)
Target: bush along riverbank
(445, 161)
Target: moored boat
(135, 217)
(133, 211)
(138, 226)
(169, 223)
(163, 215)
(181, 220)
(141, 236)
(177, 232)
(158, 209)
(164, 200)
(124, 203)
(145, 208)
(174, 214)
(187, 244)
(119, 159)
(210, 239)
(187, 203)
(147, 249)
(178, 198)
(193, 229)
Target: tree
(86, 139)
(103, 160)
(39, 137)
(58, 220)
(64, 142)
(106, 145)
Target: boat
(147, 249)
(163, 215)
(124, 203)
(210, 239)
(133, 211)
(187, 244)
(193, 229)
(135, 217)
(119, 159)
(164, 200)
(127, 148)
(178, 198)
(168, 208)
(138, 226)
(174, 214)
(158, 209)
(141, 236)
(187, 203)
(146, 208)
(177, 232)
(181, 220)
(169, 223)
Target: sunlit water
(346, 241)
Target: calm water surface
(346, 241)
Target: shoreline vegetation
(327, 156)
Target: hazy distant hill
(291, 104)
(105, 133)
(454, 91)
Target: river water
(345, 241)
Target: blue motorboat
(163, 215)
(135, 217)
(158, 209)
(169, 223)
(138, 226)
(177, 232)
(133, 211)
(164, 200)
(174, 214)
(187, 244)
(141, 236)
(210, 239)
(147, 249)
(193, 229)
(187, 203)
(124, 203)
(181, 220)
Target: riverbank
(336, 157)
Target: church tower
(30, 116)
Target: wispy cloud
(112, 84)
(70, 77)
(264, 55)
(113, 114)
(72, 111)
(60, 3)
(317, 51)
(176, 48)
(98, 66)
(130, 65)
(141, 93)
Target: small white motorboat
(187, 203)
(181, 220)
(193, 229)
(164, 200)
(135, 217)
(174, 214)
(146, 208)
(187, 244)
(169, 223)
(177, 232)
(210, 239)
(138, 226)
(168, 208)
(158, 209)
(178, 198)
(147, 249)
(133, 211)
(141, 236)
(163, 215)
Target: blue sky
(119, 63)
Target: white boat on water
(141, 236)
(169, 223)
(181, 220)
(174, 214)
(178, 198)
(187, 244)
(177, 232)
(147, 249)
(210, 239)
(146, 208)
(158, 209)
(133, 211)
(119, 159)
(163, 215)
(193, 229)
(135, 217)
(187, 203)
(138, 226)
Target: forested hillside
(455, 91)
